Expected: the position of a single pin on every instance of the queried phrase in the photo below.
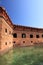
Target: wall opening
(23, 35)
(31, 36)
(15, 35)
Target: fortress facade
(12, 35)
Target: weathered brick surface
(6, 37)
(5, 23)
(28, 41)
(0, 32)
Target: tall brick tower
(6, 29)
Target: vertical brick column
(0, 32)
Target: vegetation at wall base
(23, 56)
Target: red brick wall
(0, 32)
(28, 41)
(7, 38)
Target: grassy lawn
(23, 56)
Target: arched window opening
(23, 35)
(31, 36)
(37, 36)
(15, 35)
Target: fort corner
(6, 29)
(12, 35)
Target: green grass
(23, 56)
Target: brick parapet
(3, 14)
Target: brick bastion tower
(12, 35)
(6, 29)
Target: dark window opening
(37, 36)
(6, 30)
(42, 35)
(15, 35)
(23, 35)
(14, 42)
(23, 41)
(5, 43)
(31, 41)
(31, 36)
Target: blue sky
(25, 12)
